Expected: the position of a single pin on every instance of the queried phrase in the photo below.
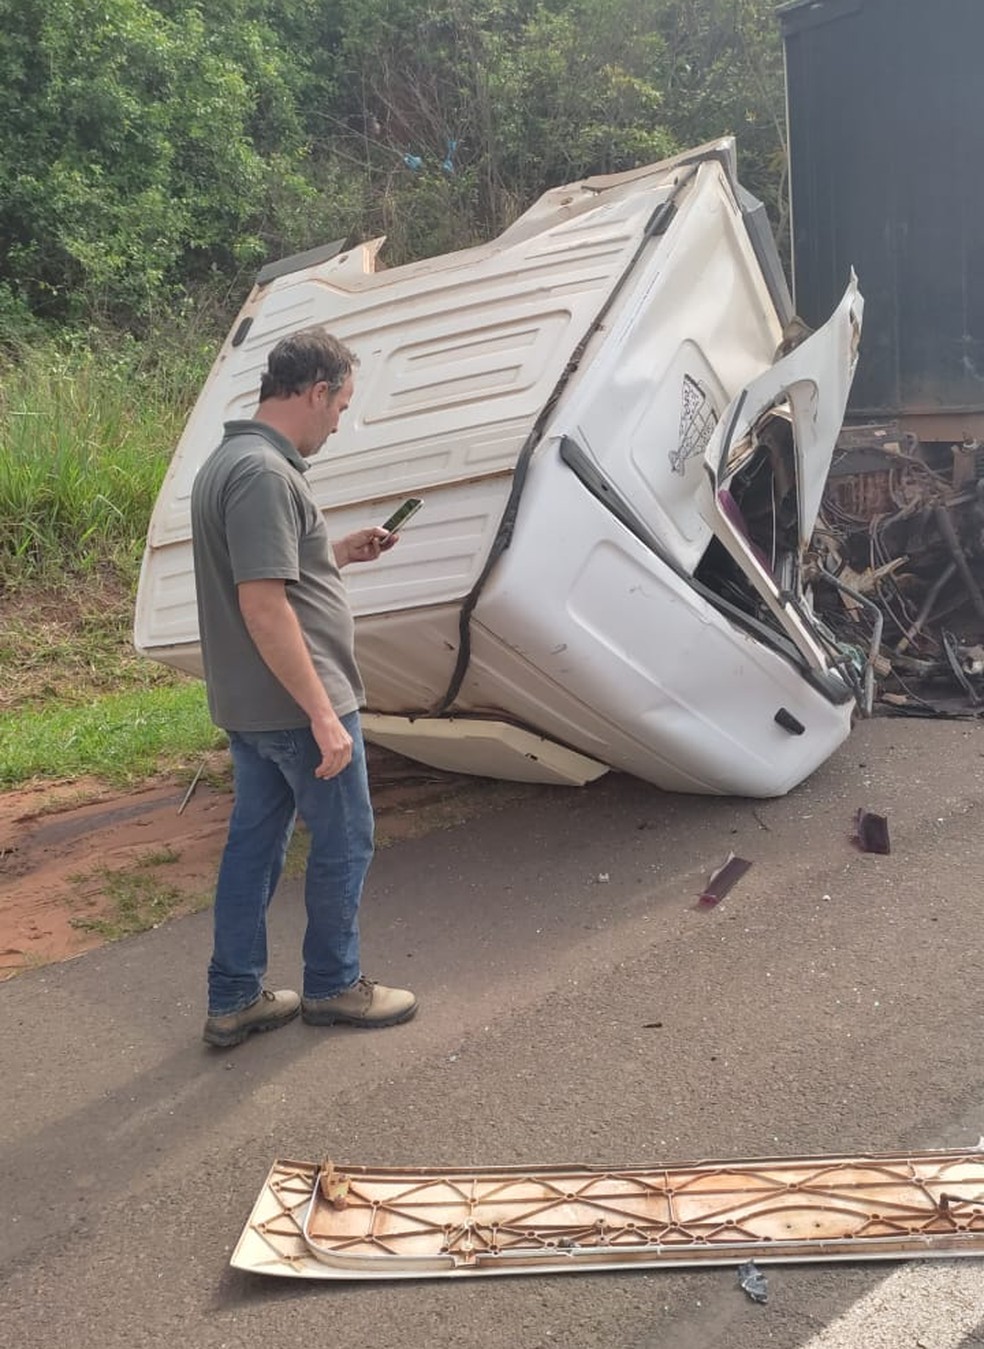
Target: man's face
(326, 411)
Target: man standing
(277, 645)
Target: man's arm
(276, 633)
(364, 545)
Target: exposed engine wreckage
(901, 534)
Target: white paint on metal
(456, 744)
(578, 322)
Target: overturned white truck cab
(620, 472)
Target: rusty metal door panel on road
(324, 1221)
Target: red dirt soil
(54, 850)
(59, 841)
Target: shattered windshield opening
(757, 496)
(756, 563)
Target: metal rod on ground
(194, 783)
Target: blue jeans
(274, 781)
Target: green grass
(86, 434)
(120, 738)
(88, 424)
(72, 642)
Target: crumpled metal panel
(359, 1222)
(901, 536)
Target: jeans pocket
(279, 747)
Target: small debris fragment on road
(752, 1281)
(871, 832)
(722, 880)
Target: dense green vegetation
(87, 424)
(86, 428)
(154, 153)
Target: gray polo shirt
(254, 518)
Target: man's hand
(364, 545)
(335, 744)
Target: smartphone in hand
(402, 514)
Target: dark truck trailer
(886, 142)
(886, 139)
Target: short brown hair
(304, 358)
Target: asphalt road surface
(831, 1003)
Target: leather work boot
(270, 1011)
(364, 1004)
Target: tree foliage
(152, 150)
